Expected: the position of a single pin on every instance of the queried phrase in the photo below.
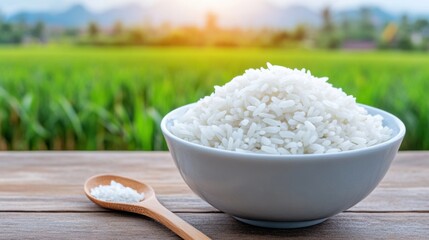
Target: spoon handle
(157, 211)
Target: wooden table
(41, 197)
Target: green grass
(101, 98)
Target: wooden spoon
(149, 206)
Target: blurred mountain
(294, 15)
(79, 16)
(264, 14)
(175, 12)
(76, 15)
(130, 14)
(378, 15)
(178, 12)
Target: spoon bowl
(105, 179)
(149, 206)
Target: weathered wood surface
(41, 197)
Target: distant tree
(211, 22)
(420, 24)
(328, 25)
(346, 27)
(404, 35)
(118, 29)
(404, 24)
(38, 31)
(20, 30)
(1, 25)
(137, 36)
(93, 30)
(71, 32)
(6, 33)
(279, 38)
(388, 35)
(328, 37)
(367, 27)
(300, 32)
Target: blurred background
(100, 75)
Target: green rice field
(63, 97)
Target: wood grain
(381, 200)
(116, 225)
(53, 181)
(41, 197)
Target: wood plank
(395, 199)
(53, 181)
(382, 200)
(79, 203)
(409, 169)
(64, 173)
(114, 225)
(39, 169)
(41, 197)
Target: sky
(395, 6)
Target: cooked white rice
(280, 111)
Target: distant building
(359, 45)
(421, 39)
(416, 38)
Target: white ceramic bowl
(283, 191)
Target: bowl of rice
(278, 147)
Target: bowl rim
(276, 157)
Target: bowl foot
(275, 224)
